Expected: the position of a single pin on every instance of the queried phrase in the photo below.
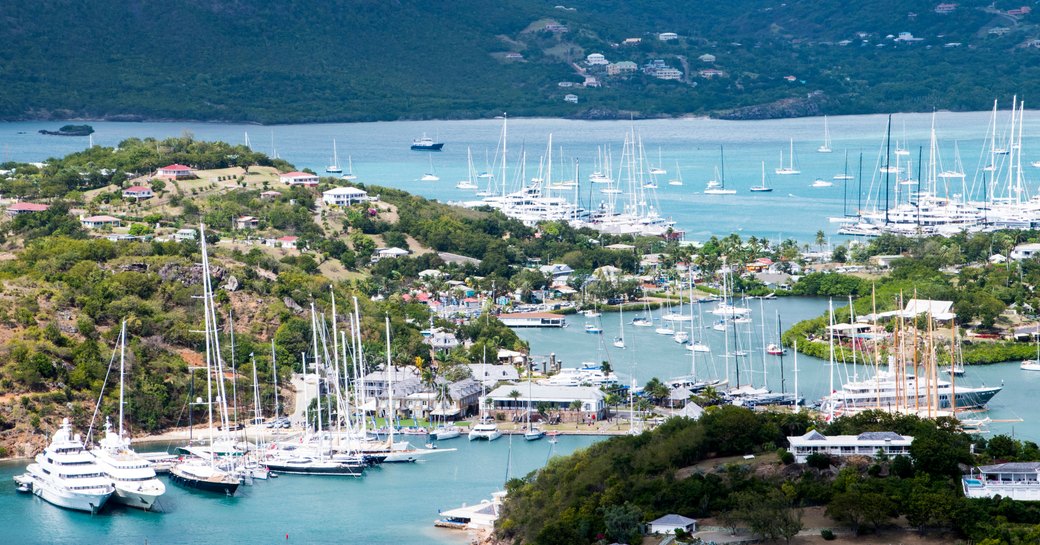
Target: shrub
(827, 535)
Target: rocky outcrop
(810, 105)
(189, 275)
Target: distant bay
(380, 155)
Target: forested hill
(285, 60)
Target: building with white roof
(1016, 480)
(1025, 251)
(344, 196)
(864, 444)
(298, 178)
(668, 524)
(491, 374)
(559, 398)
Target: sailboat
(826, 147)
(349, 176)
(659, 169)
(678, 176)
(762, 188)
(533, 433)
(334, 168)
(486, 429)
(199, 472)
(133, 476)
(844, 176)
(619, 341)
(718, 185)
(1032, 365)
(789, 169)
(430, 176)
(468, 182)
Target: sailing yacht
(533, 432)
(133, 476)
(349, 176)
(762, 187)
(430, 176)
(718, 185)
(659, 169)
(66, 475)
(204, 472)
(334, 168)
(678, 176)
(826, 146)
(468, 182)
(619, 341)
(789, 169)
(486, 429)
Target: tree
(623, 523)
(515, 395)
(860, 508)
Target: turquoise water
(648, 355)
(381, 156)
(393, 504)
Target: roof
(28, 207)
(674, 520)
(1012, 467)
(287, 239)
(392, 251)
(620, 246)
(175, 166)
(537, 391)
(247, 218)
(532, 315)
(813, 435)
(137, 189)
(345, 191)
(879, 436)
(297, 174)
(95, 219)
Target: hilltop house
(287, 242)
(246, 222)
(138, 192)
(707, 57)
(344, 196)
(596, 59)
(26, 208)
(298, 178)
(572, 98)
(175, 171)
(621, 68)
(667, 36)
(864, 444)
(96, 222)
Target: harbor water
(394, 504)
(380, 154)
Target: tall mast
(888, 163)
(391, 413)
(122, 358)
(274, 373)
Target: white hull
(91, 503)
(129, 496)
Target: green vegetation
(197, 60)
(607, 489)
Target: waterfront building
(559, 398)
(533, 319)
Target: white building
(138, 192)
(707, 57)
(864, 444)
(1016, 480)
(298, 178)
(559, 398)
(668, 74)
(95, 222)
(185, 234)
(533, 319)
(388, 253)
(573, 99)
(595, 59)
(344, 196)
(174, 171)
(1025, 251)
(668, 524)
(667, 36)
(491, 374)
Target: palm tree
(514, 395)
(576, 407)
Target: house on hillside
(668, 525)
(287, 242)
(865, 444)
(596, 59)
(707, 57)
(667, 36)
(388, 253)
(138, 192)
(298, 178)
(944, 9)
(185, 234)
(344, 196)
(175, 171)
(247, 222)
(97, 222)
(622, 68)
(1025, 251)
(270, 195)
(26, 208)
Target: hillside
(284, 61)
